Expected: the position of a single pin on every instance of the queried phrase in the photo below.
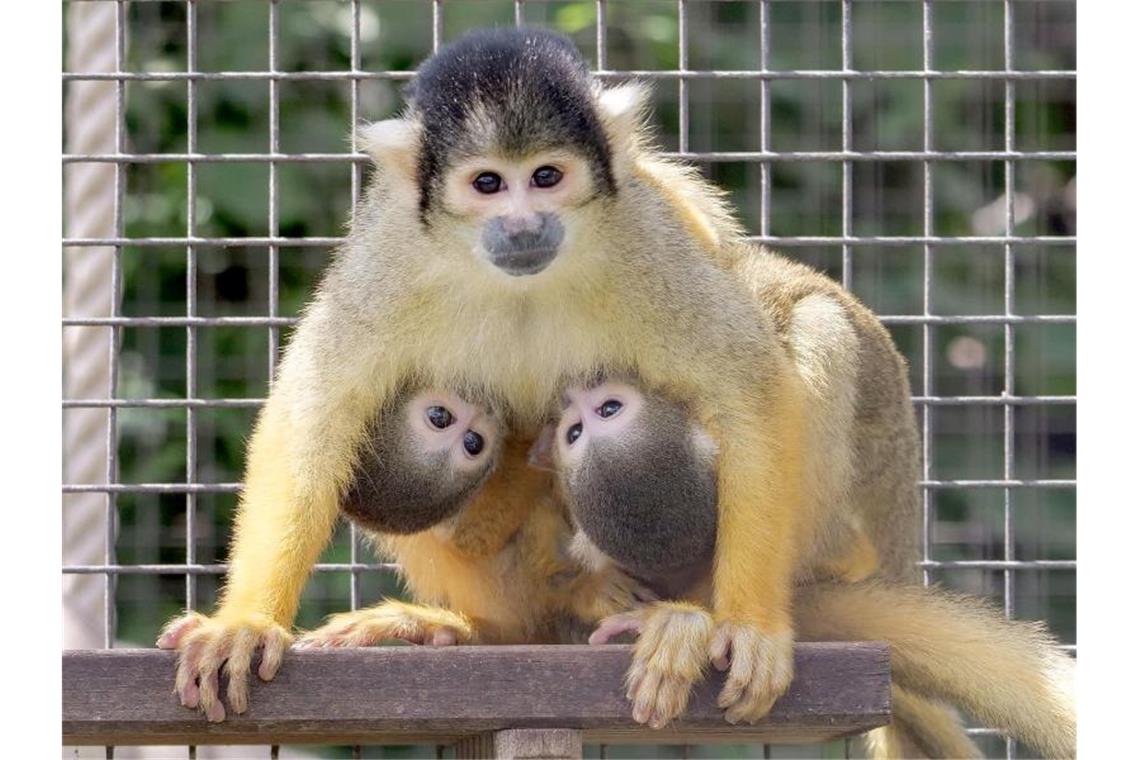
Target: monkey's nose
(514, 225)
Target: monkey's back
(884, 440)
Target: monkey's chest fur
(518, 355)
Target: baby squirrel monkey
(638, 476)
(510, 242)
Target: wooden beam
(389, 695)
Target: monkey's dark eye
(488, 183)
(546, 176)
(439, 417)
(609, 408)
(472, 443)
(573, 433)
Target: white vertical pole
(89, 213)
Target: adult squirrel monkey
(521, 235)
(638, 476)
(510, 243)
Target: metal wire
(853, 249)
(272, 158)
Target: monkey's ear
(541, 454)
(393, 145)
(623, 112)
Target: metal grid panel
(853, 245)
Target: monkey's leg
(857, 563)
(920, 728)
(391, 619)
(278, 536)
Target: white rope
(89, 212)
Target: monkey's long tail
(1010, 674)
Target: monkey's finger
(741, 673)
(237, 669)
(634, 677)
(615, 625)
(275, 642)
(173, 632)
(756, 702)
(213, 657)
(645, 698)
(211, 705)
(720, 649)
(672, 696)
(186, 676)
(443, 637)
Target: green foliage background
(806, 199)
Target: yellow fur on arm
(759, 483)
(278, 532)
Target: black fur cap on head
(532, 83)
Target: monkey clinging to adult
(509, 242)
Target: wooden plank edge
(403, 695)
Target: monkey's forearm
(755, 550)
(281, 528)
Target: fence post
(523, 744)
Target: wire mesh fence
(922, 153)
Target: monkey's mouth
(524, 261)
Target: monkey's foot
(390, 620)
(668, 658)
(759, 669)
(207, 644)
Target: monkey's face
(640, 480)
(459, 436)
(519, 214)
(425, 459)
(511, 146)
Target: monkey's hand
(206, 645)
(608, 592)
(669, 656)
(759, 668)
(391, 620)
